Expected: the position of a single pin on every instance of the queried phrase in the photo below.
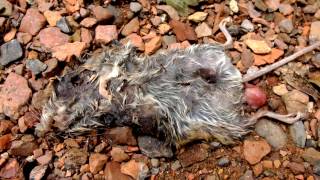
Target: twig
(269, 68)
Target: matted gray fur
(193, 93)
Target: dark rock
(64, 26)
(75, 157)
(298, 134)
(153, 148)
(316, 168)
(121, 136)
(10, 51)
(22, 148)
(311, 143)
(36, 66)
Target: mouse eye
(209, 75)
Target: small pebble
(247, 25)
(175, 165)
(64, 26)
(155, 162)
(223, 162)
(316, 168)
(36, 66)
(135, 7)
(286, 26)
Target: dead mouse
(190, 94)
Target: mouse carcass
(183, 94)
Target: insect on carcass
(184, 95)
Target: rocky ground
(41, 39)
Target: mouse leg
(288, 118)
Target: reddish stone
(10, 35)
(86, 36)
(97, 162)
(5, 141)
(106, 33)
(153, 45)
(101, 13)
(131, 27)
(14, 94)
(5, 126)
(32, 22)
(52, 36)
(24, 38)
(11, 170)
(136, 170)
(72, 5)
(112, 171)
(66, 51)
(254, 151)
(296, 168)
(135, 40)
(46, 158)
(88, 22)
(183, 31)
(118, 154)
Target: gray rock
(154, 148)
(167, 40)
(247, 25)
(316, 60)
(10, 51)
(298, 134)
(223, 162)
(175, 165)
(316, 168)
(36, 66)
(248, 175)
(135, 7)
(286, 26)
(273, 133)
(310, 9)
(64, 26)
(311, 143)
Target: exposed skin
(191, 94)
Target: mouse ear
(207, 74)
